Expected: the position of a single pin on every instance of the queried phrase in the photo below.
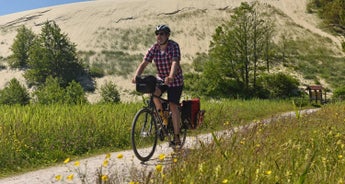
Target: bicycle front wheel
(144, 134)
(183, 132)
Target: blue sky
(14, 6)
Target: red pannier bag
(191, 112)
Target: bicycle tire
(183, 132)
(144, 134)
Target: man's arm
(140, 69)
(174, 66)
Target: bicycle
(149, 125)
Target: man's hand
(133, 80)
(168, 80)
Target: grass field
(306, 149)
(37, 136)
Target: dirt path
(127, 165)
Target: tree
(242, 45)
(20, 48)
(53, 55)
(14, 93)
(332, 12)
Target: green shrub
(339, 93)
(278, 85)
(14, 93)
(199, 61)
(96, 71)
(50, 92)
(75, 93)
(109, 93)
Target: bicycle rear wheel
(144, 134)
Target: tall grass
(37, 135)
(240, 112)
(32, 136)
(307, 149)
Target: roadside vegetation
(34, 136)
(305, 149)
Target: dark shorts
(174, 93)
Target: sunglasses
(160, 33)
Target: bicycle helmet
(163, 28)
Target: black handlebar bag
(146, 83)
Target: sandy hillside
(88, 24)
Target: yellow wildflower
(340, 156)
(107, 156)
(161, 157)
(269, 172)
(66, 161)
(58, 177)
(70, 177)
(105, 177)
(119, 156)
(105, 163)
(77, 163)
(175, 160)
(225, 181)
(159, 168)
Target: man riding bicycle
(166, 55)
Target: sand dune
(86, 22)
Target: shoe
(173, 143)
(176, 141)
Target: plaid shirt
(163, 61)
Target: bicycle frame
(159, 120)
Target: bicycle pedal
(173, 144)
(177, 148)
(161, 135)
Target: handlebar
(148, 84)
